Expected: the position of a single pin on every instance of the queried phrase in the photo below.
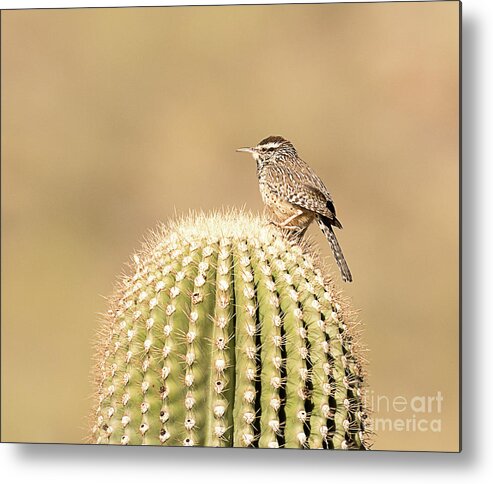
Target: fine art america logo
(419, 413)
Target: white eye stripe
(269, 146)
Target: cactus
(227, 333)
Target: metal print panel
(232, 226)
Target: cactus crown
(226, 333)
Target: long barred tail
(326, 227)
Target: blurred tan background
(115, 119)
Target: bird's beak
(246, 150)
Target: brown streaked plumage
(294, 195)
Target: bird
(294, 195)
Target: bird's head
(273, 148)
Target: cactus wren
(294, 194)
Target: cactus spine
(228, 334)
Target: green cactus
(227, 333)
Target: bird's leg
(285, 223)
(282, 226)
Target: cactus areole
(228, 334)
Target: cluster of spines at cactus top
(227, 333)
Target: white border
(82, 464)
(6, 4)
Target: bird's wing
(311, 198)
(304, 190)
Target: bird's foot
(291, 227)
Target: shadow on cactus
(228, 334)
